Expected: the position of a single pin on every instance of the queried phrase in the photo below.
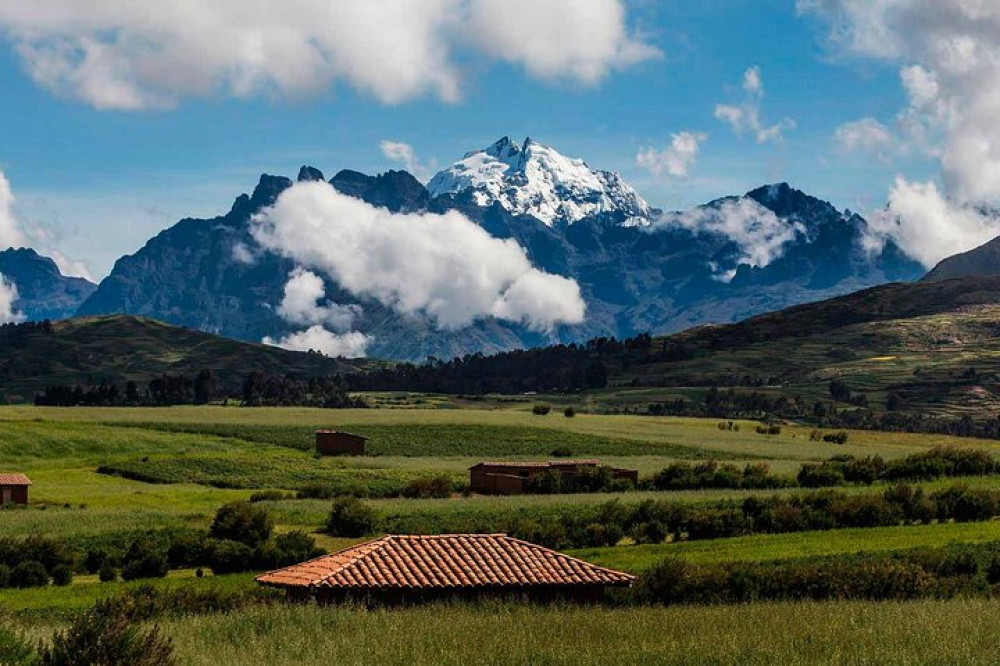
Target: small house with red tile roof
(13, 488)
(336, 443)
(411, 568)
(512, 478)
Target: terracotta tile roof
(14, 480)
(539, 464)
(443, 561)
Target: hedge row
(919, 573)
(653, 521)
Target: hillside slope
(983, 260)
(118, 349)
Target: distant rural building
(14, 488)
(511, 478)
(336, 443)
(409, 569)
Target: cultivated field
(172, 468)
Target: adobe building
(511, 478)
(407, 569)
(14, 489)
(336, 443)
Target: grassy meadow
(185, 462)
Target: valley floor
(204, 457)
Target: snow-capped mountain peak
(538, 181)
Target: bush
(286, 549)
(15, 649)
(107, 634)
(435, 486)
(819, 475)
(562, 452)
(350, 517)
(836, 437)
(62, 575)
(541, 410)
(243, 522)
(144, 559)
(569, 412)
(546, 483)
(108, 573)
(270, 496)
(29, 574)
(231, 557)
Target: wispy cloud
(745, 117)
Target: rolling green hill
(118, 349)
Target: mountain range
(639, 269)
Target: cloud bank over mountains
(948, 52)
(444, 266)
(127, 55)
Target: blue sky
(102, 180)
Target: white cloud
(929, 226)
(404, 154)
(301, 303)
(745, 117)
(867, 136)
(8, 296)
(128, 55)
(10, 231)
(444, 266)
(948, 52)
(760, 234)
(13, 234)
(317, 338)
(675, 160)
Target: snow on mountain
(538, 181)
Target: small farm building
(14, 488)
(511, 478)
(336, 443)
(410, 569)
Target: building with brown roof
(336, 443)
(14, 488)
(409, 568)
(513, 478)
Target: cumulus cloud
(10, 231)
(674, 160)
(444, 266)
(746, 116)
(867, 136)
(948, 52)
(757, 231)
(404, 154)
(317, 338)
(8, 296)
(301, 304)
(127, 55)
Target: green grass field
(203, 457)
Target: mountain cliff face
(43, 291)
(639, 269)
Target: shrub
(15, 649)
(569, 412)
(286, 549)
(29, 574)
(231, 557)
(561, 452)
(144, 559)
(435, 486)
(819, 475)
(106, 634)
(546, 483)
(541, 410)
(270, 496)
(5, 577)
(243, 522)
(62, 575)
(108, 573)
(836, 437)
(350, 517)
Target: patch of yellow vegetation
(882, 359)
